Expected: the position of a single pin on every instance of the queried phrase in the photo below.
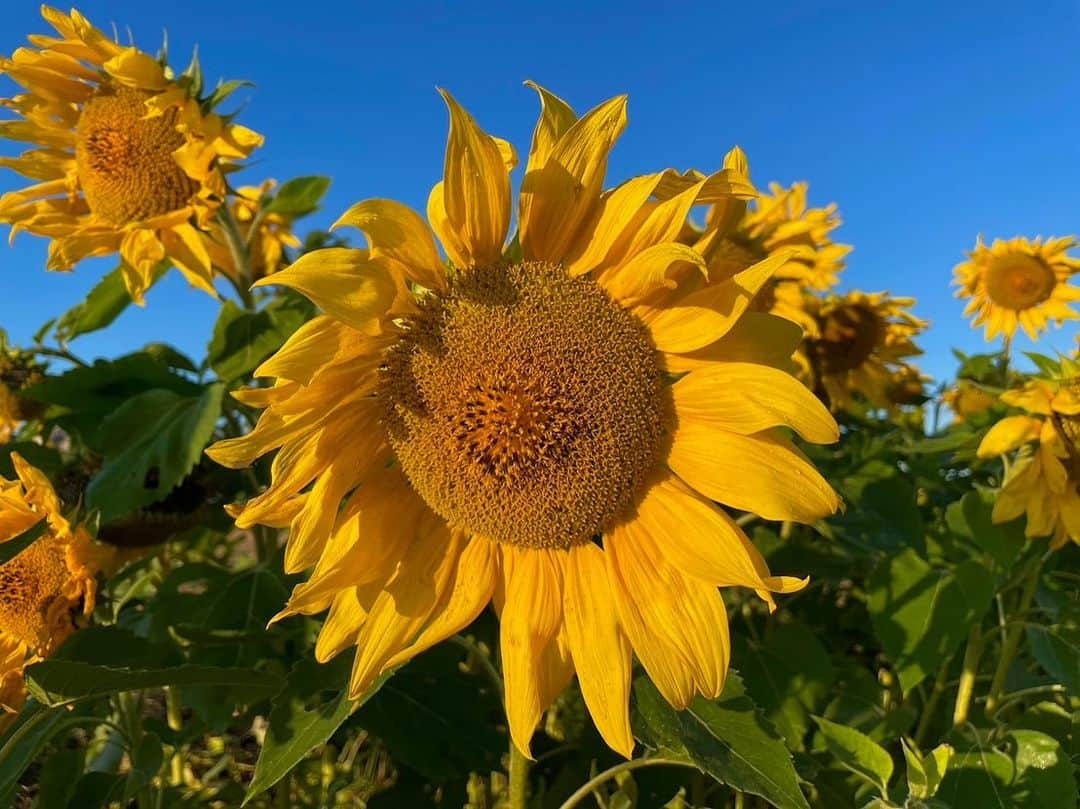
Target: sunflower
(1018, 282)
(862, 346)
(966, 398)
(127, 158)
(508, 427)
(266, 235)
(1044, 478)
(46, 586)
(18, 371)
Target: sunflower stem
(930, 708)
(174, 717)
(1012, 639)
(966, 687)
(518, 790)
(590, 786)
(241, 257)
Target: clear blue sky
(928, 123)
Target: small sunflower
(861, 348)
(967, 399)
(1043, 481)
(1019, 282)
(509, 428)
(266, 243)
(126, 157)
(46, 586)
(17, 372)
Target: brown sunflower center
(125, 163)
(849, 335)
(1019, 281)
(29, 585)
(525, 406)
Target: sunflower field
(560, 493)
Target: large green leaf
(970, 518)
(104, 303)
(299, 196)
(151, 443)
(313, 705)
(882, 509)
(857, 752)
(728, 739)
(64, 682)
(1029, 771)
(921, 613)
(23, 743)
(243, 339)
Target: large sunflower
(860, 347)
(1043, 482)
(507, 428)
(45, 586)
(1018, 282)
(126, 156)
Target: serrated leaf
(921, 614)
(16, 545)
(857, 752)
(150, 444)
(242, 340)
(102, 305)
(64, 682)
(313, 705)
(299, 196)
(728, 739)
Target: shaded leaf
(857, 752)
(299, 196)
(16, 545)
(970, 518)
(102, 305)
(242, 340)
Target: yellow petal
(616, 213)
(762, 473)
(531, 618)
(558, 196)
(1035, 397)
(702, 541)
(187, 250)
(745, 398)
(1008, 434)
(676, 624)
(398, 232)
(133, 68)
(476, 191)
(650, 270)
(705, 316)
(756, 337)
(556, 117)
(345, 283)
(342, 625)
(598, 645)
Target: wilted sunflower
(862, 346)
(126, 156)
(1043, 482)
(1018, 282)
(509, 431)
(265, 243)
(46, 586)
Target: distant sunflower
(966, 399)
(46, 586)
(508, 432)
(1043, 482)
(862, 347)
(1019, 282)
(265, 244)
(126, 157)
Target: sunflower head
(860, 347)
(543, 426)
(127, 157)
(967, 398)
(1018, 283)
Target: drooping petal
(398, 232)
(756, 337)
(1008, 434)
(652, 269)
(598, 645)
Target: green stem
(241, 257)
(174, 717)
(519, 779)
(59, 353)
(590, 786)
(1012, 640)
(740, 799)
(930, 708)
(483, 658)
(970, 669)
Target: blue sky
(927, 123)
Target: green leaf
(64, 682)
(728, 739)
(921, 614)
(242, 340)
(924, 774)
(146, 760)
(883, 512)
(47, 459)
(104, 303)
(169, 356)
(299, 196)
(24, 741)
(1029, 771)
(151, 443)
(222, 92)
(858, 752)
(313, 705)
(59, 774)
(788, 676)
(16, 545)
(970, 518)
